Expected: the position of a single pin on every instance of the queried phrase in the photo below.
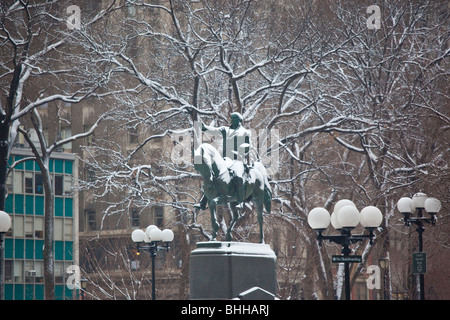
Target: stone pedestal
(225, 270)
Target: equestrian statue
(229, 177)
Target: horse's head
(203, 161)
(208, 161)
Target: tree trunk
(49, 272)
(5, 127)
(3, 170)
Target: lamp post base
(227, 270)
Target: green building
(24, 264)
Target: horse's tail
(267, 195)
(267, 190)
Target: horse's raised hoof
(199, 206)
(240, 206)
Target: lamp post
(407, 208)
(148, 241)
(344, 219)
(83, 286)
(384, 265)
(5, 224)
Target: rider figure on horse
(233, 137)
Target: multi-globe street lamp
(148, 241)
(384, 265)
(407, 207)
(5, 224)
(83, 286)
(344, 219)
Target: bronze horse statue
(229, 181)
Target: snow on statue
(230, 178)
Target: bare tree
(42, 64)
(349, 103)
(116, 271)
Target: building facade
(24, 261)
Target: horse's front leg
(214, 223)
(234, 219)
(259, 210)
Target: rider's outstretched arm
(213, 130)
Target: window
(63, 185)
(91, 220)
(39, 267)
(59, 272)
(66, 133)
(19, 231)
(34, 183)
(134, 218)
(39, 227)
(68, 229)
(18, 270)
(9, 182)
(58, 185)
(58, 229)
(38, 184)
(28, 182)
(8, 270)
(159, 217)
(28, 227)
(18, 182)
(30, 272)
(67, 185)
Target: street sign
(339, 259)
(419, 264)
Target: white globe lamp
(432, 205)
(138, 236)
(167, 235)
(348, 217)
(371, 217)
(5, 222)
(319, 218)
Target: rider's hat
(239, 115)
